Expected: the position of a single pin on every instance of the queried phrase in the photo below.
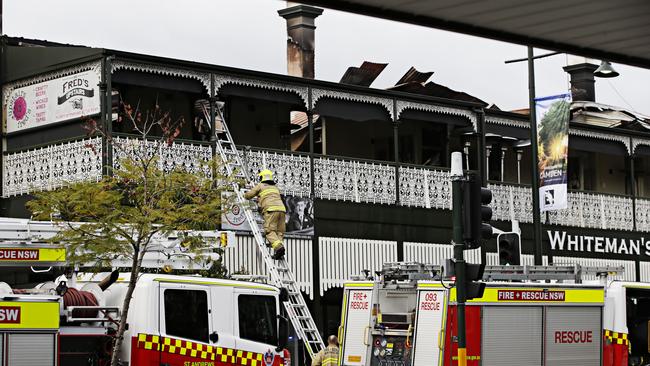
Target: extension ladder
(281, 274)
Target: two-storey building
(372, 164)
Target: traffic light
(476, 213)
(509, 246)
(473, 273)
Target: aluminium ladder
(281, 274)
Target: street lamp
(605, 70)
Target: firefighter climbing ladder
(280, 272)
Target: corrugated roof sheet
(364, 75)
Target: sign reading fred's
(61, 99)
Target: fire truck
(528, 315)
(174, 320)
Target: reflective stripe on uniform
(276, 244)
(275, 209)
(330, 356)
(269, 190)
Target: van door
(256, 321)
(185, 324)
(223, 317)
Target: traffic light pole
(459, 248)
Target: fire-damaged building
(365, 171)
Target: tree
(118, 216)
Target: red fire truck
(172, 321)
(407, 317)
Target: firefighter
(328, 356)
(273, 211)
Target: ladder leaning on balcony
(280, 272)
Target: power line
(620, 96)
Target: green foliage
(118, 216)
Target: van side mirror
(283, 333)
(284, 295)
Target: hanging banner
(299, 216)
(51, 101)
(552, 150)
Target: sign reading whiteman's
(562, 241)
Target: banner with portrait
(299, 216)
(553, 114)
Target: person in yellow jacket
(273, 211)
(328, 356)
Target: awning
(617, 31)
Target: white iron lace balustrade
(511, 201)
(292, 171)
(192, 158)
(642, 208)
(595, 210)
(355, 181)
(424, 187)
(52, 166)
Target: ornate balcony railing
(642, 210)
(595, 210)
(356, 181)
(422, 187)
(343, 179)
(511, 202)
(292, 171)
(52, 166)
(191, 157)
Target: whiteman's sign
(562, 241)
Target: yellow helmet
(266, 175)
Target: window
(186, 314)
(257, 318)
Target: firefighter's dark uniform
(273, 212)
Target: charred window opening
(184, 99)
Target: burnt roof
(414, 76)
(436, 90)
(364, 75)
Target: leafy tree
(119, 216)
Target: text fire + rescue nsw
(530, 295)
(9, 315)
(19, 254)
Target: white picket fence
(431, 253)
(341, 258)
(644, 271)
(245, 257)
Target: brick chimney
(582, 79)
(301, 27)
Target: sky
(250, 34)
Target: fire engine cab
(528, 315)
(173, 320)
